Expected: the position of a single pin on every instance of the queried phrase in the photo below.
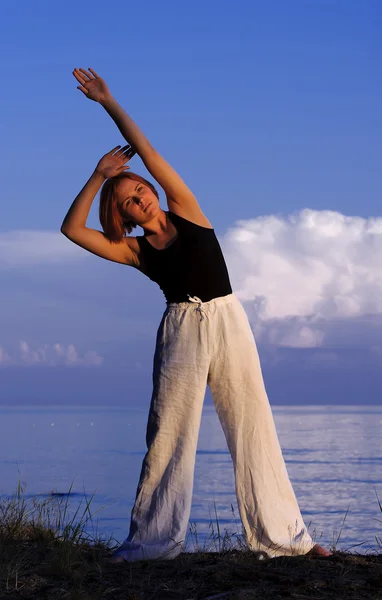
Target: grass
(46, 554)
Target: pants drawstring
(199, 303)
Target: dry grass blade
(45, 553)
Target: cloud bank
(48, 355)
(297, 274)
(302, 278)
(31, 248)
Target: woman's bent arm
(74, 224)
(111, 164)
(78, 213)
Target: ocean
(333, 455)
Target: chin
(153, 208)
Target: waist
(219, 301)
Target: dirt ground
(192, 576)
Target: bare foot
(114, 560)
(318, 550)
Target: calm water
(333, 455)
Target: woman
(204, 338)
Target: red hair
(110, 218)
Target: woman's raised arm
(179, 197)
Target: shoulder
(193, 217)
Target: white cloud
(31, 248)
(297, 337)
(49, 355)
(296, 274)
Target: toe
(318, 550)
(114, 560)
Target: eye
(140, 188)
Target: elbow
(65, 230)
(71, 232)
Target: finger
(123, 150)
(124, 158)
(86, 73)
(128, 154)
(114, 149)
(120, 153)
(84, 90)
(94, 73)
(79, 77)
(121, 169)
(129, 149)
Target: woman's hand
(114, 162)
(92, 85)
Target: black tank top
(193, 264)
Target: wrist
(98, 175)
(107, 101)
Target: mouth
(148, 206)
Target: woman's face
(136, 201)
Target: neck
(157, 225)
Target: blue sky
(271, 113)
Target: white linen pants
(200, 343)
